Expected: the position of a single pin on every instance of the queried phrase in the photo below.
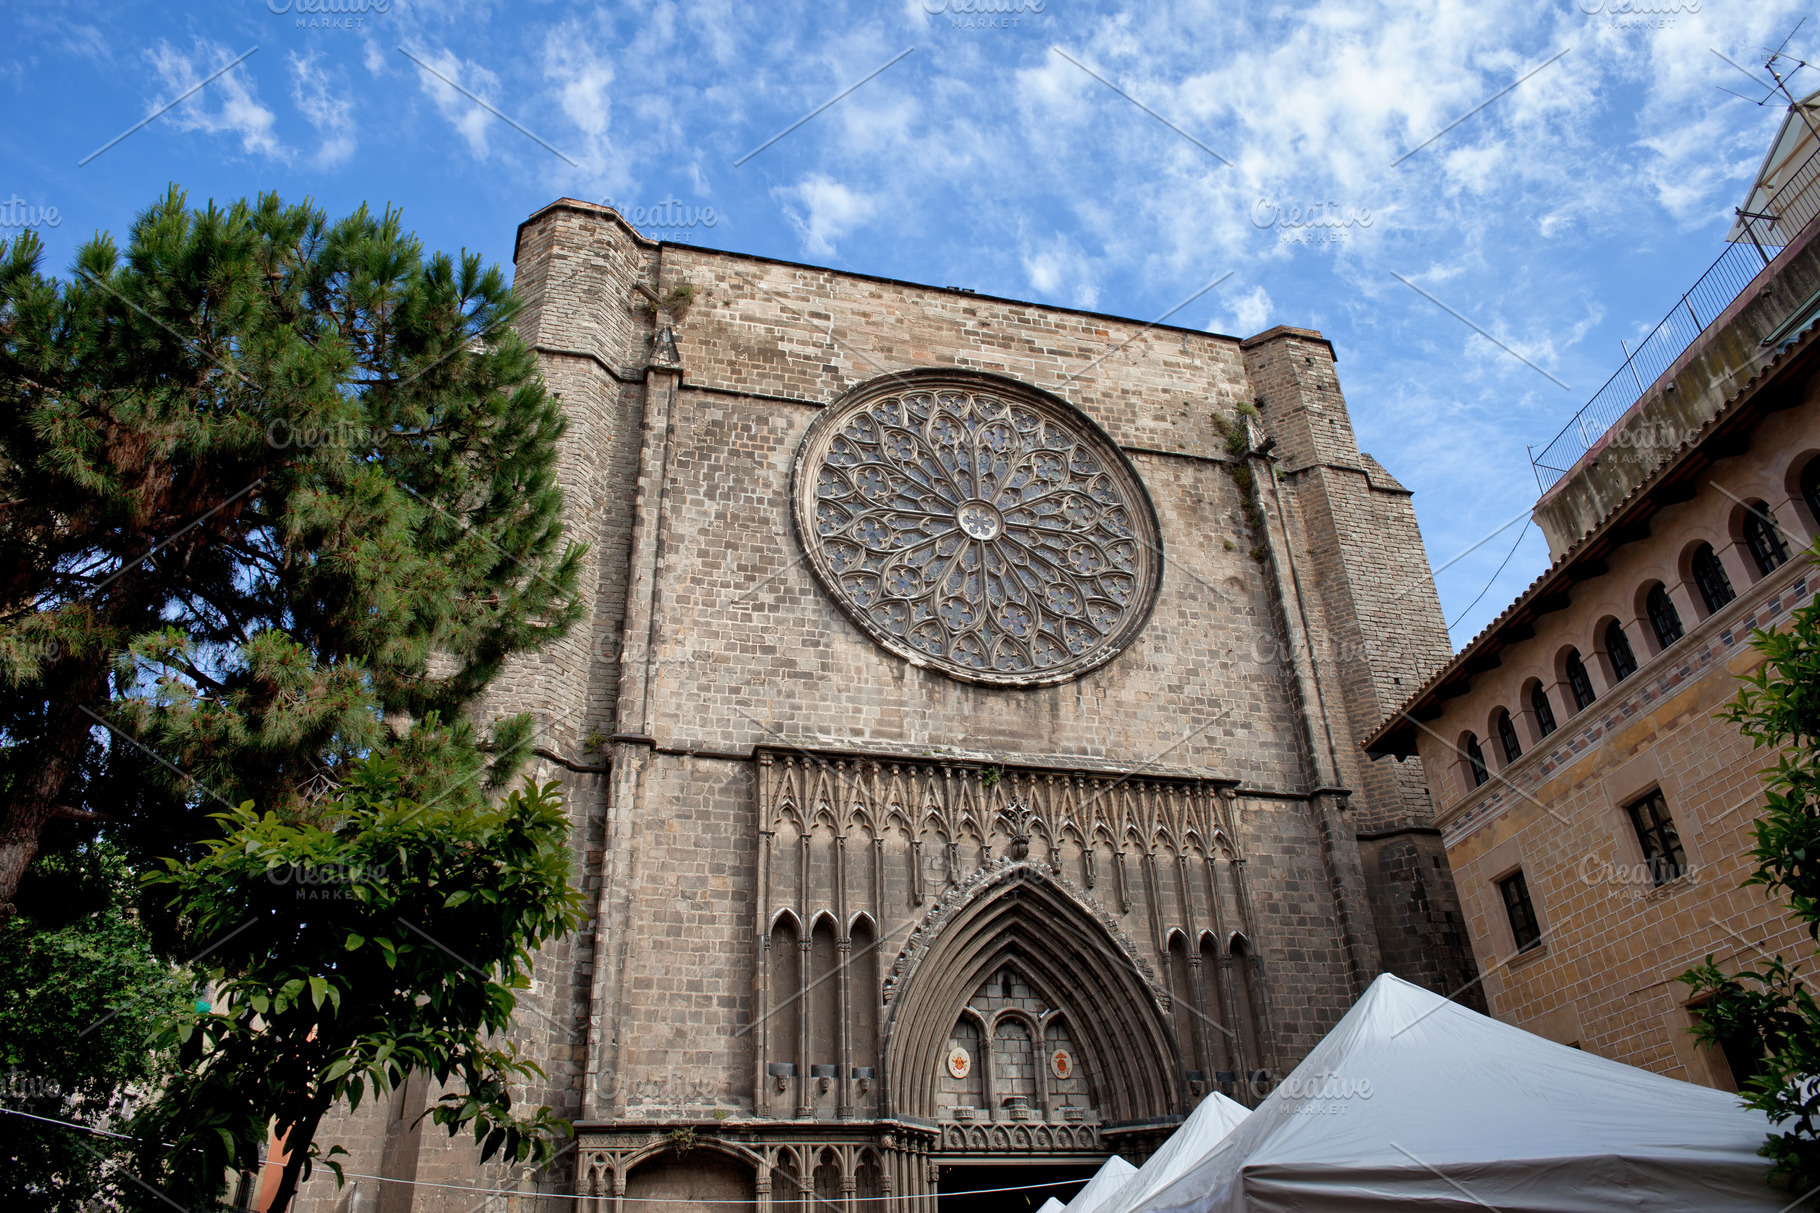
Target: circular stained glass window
(978, 527)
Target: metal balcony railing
(1796, 201)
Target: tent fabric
(1052, 1205)
(1205, 1128)
(1107, 1180)
(1413, 1100)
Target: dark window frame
(1544, 710)
(1663, 616)
(1764, 539)
(1709, 575)
(1507, 737)
(1520, 911)
(1579, 681)
(1657, 835)
(1475, 761)
(1617, 647)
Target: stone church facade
(961, 746)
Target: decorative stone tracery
(997, 872)
(889, 889)
(978, 526)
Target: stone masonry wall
(707, 634)
(1613, 942)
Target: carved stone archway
(1018, 915)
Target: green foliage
(1779, 708)
(273, 486)
(1238, 448)
(682, 1140)
(83, 994)
(385, 937)
(1238, 441)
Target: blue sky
(1564, 216)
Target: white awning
(1413, 1101)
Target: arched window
(1663, 617)
(1475, 761)
(1578, 681)
(1709, 575)
(1181, 991)
(1538, 703)
(863, 1011)
(1764, 539)
(784, 995)
(822, 1006)
(1249, 995)
(1617, 647)
(1810, 487)
(1507, 737)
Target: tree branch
(67, 813)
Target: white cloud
(833, 209)
(329, 111)
(1250, 312)
(229, 104)
(444, 70)
(581, 73)
(1059, 270)
(581, 78)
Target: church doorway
(965, 1187)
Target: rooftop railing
(1795, 201)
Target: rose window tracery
(993, 533)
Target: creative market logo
(327, 881)
(1640, 14)
(984, 14)
(16, 212)
(671, 213)
(328, 14)
(1317, 223)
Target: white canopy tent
(1415, 1100)
(1205, 1128)
(1107, 1180)
(1052, 1205)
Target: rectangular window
(1522, 912)
(1661, 841)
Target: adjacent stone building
(1597, 812)
(961, 746)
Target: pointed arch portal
(1026, 923)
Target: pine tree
(276, 496)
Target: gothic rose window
(991, 532)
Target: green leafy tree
(1772, 1006)
(271, 488)
(84, 992)
(387, 937)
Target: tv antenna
(1781, 79)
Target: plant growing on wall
(1772, 1006)
(1238, 450)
